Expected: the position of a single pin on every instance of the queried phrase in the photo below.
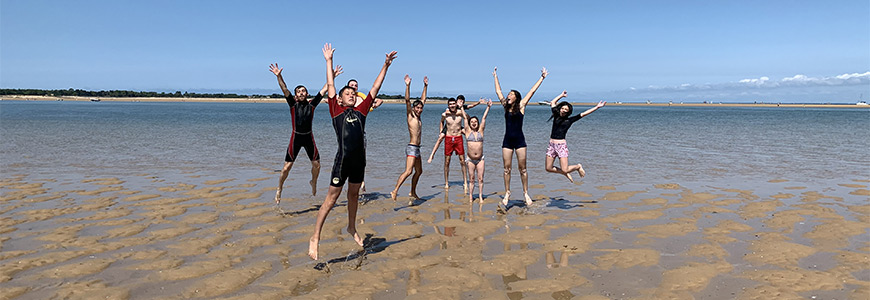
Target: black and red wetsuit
(350, 126)
(302, 113)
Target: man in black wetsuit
(349, 122)
(301, 112)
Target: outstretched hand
(544, 72)
(425, 80)
(488, 102)
(494, 70)
(601, 104)
(337, 71)
(564, 94)
(390, 57)
(407, 79)
(275, 70)
(328, 51)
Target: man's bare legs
(418, 170)
(447, 171)
(352, 204)
(284, 172)
(410, 162)
(506, 157)
(328, 204)
(315, 171)
(524, 175)
(331, 195)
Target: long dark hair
(514, 107)
(556, 113)
(474, 118)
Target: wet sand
(204, 236)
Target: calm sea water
(617, 145)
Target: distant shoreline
(278, 100)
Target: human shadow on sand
(371, 245)
(417, 202)
(553, 202)
(567, 204)
(284, 213)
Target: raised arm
(556, 100)
(531, 92)
(338, 70)
(485, 113)
(277, 71)
(589, 111)
(497, 86)
(470, 106)
(328, 52)
(383, 74)
(407, 93)
(465, 128)
(425, 87)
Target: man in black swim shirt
(301, 112)
(350, 159)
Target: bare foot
(363, 187)
(470, 199)
(571, 179)
(278, 196)
(312, 247)
(528, 199)
(356, 237)
(446, 186)
(414, 196)
(393, 195)
(581, 171)
(507, 196)
(313, 184)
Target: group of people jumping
(349, 108)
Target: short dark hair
(417, 102)
(451, 100)
(352, 80)
(460, 97)
(346, 87)
(297, 88)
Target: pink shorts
(557, 150)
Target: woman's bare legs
(524, 175)
(554, 169)
(506, 157)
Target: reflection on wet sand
(211, 237)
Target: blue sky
(730, 51)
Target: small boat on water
(861, 103)
(95, 99)
(543, 102)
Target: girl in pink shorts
(558, 147)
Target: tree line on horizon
(176, 94)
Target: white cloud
(764, 82)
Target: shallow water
(173, 200)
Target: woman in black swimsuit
(514, 140)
